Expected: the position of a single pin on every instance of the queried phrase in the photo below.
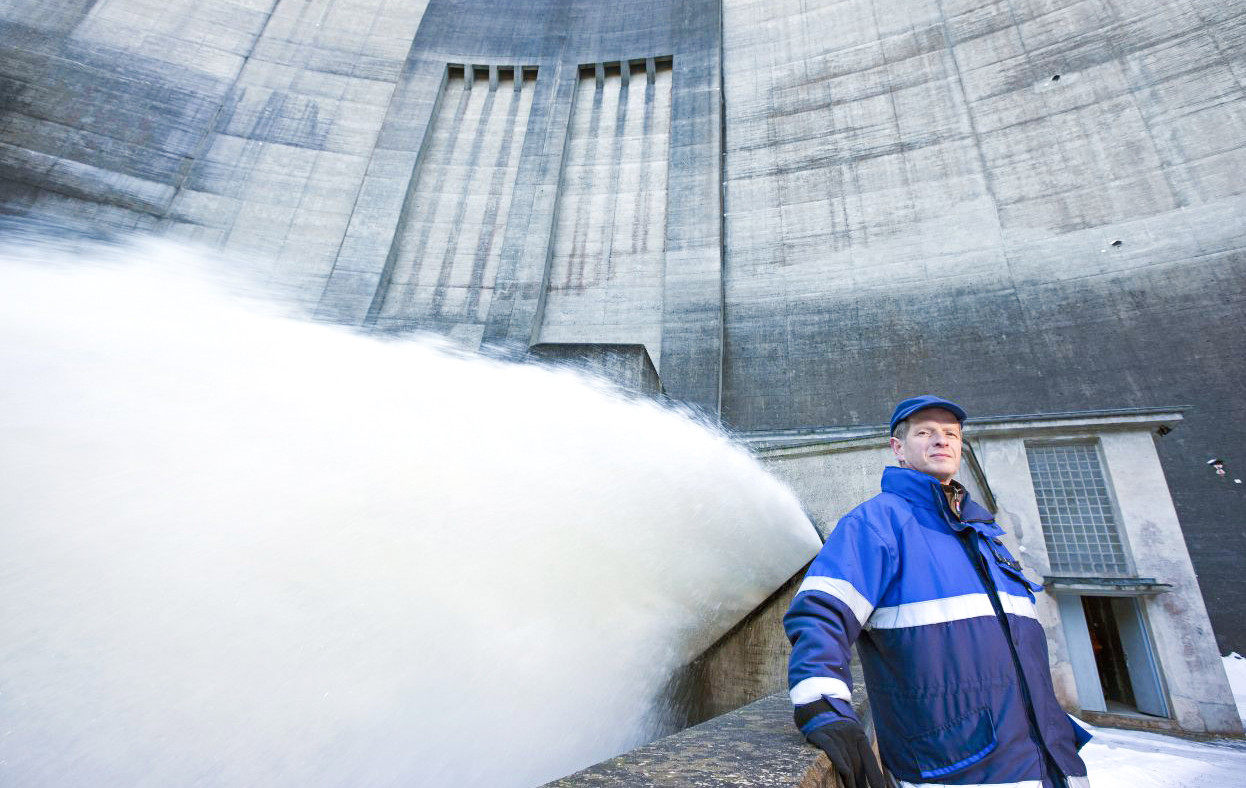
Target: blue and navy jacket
(955, 660)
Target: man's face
(932, 444)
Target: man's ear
(897, 446)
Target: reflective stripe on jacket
(911, 583)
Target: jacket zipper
(967, 537)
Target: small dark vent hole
(1055, 78)
(1116, 243)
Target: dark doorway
(1124, 658)
(1105, 639)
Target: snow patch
(1235, 669)
(1118, 758)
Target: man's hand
(845, 744)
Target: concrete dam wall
(802, 210)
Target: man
(954, 658)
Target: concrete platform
(756, 745)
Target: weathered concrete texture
(608, 258)
(756, 745)
(750, 661)
(101, 133)
(915, 203)
(628, 366)
(668, 294)
(449, 243)
(281, 175)
(245, 124)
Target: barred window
(1076, 511)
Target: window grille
(1079, 525)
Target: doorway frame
(1146, 674)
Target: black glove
(845, 744)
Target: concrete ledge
(756, 745)
(825, 440)
(629, 366)
(1141, 722)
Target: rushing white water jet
(242, 549)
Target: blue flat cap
(913, 404)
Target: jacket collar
(924, 490)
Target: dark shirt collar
(956, 494)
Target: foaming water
(239, 548)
